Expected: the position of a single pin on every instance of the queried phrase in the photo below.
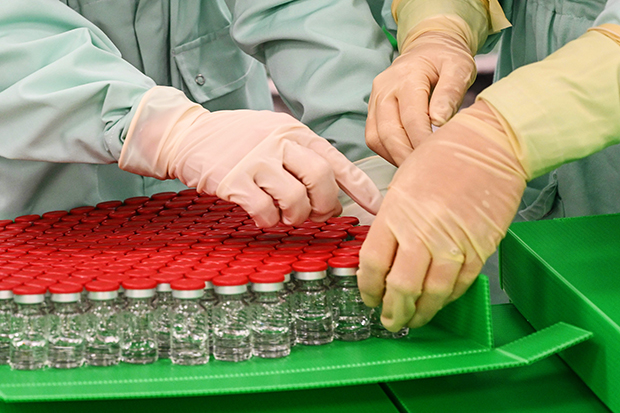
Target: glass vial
(66, 336)
(312, 310)
(7, 308)
(162, 305)
(231, 323)
(208, 299)
(102, 322)
(377, 329)
(189, 332)
(29, 329)
(271, 321)
(351, 316)
(138, 338)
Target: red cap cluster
(166, 237)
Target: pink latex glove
(424, 86)
(252, 158)
(445, 212)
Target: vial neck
(346, 281)
(311, 284)
(267, 296)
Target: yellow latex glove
(566, 106)
(426, 84)
(445, 212)
(252, 158)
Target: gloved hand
(426, 84)
(252, 158)
(445, 212)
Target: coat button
(200, 80)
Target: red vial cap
(288, 260)
(27, 218)
(321, 256)
(165, 278)
(331, 235)
(351, 244)
(343, 220)
(109, 204)
(335, 227)
(311, 224)
(320, 248)
(41, 283)
(298, 239)
(361, 229)
(322, 241)
(355, 252)
(286, 253)
(101, 286)
(163, 195)
(230, 280)
(278, 229)
(240, 271)
(309, 266)
(291, 247)
(266, 278)
(275, 268)
(6, 285)
(344, 262)
(29, 290)
(203, 274)
(271, 236)
(136, 200)
(116, 278)
(189, 192)
(81, 210)
(139, 284)
(65, 288)
(187, 284)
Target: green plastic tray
(458, 341)
(548, 386)
(567, 270)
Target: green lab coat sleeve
(322, 56)
(65, 92)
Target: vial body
(377, 329)
(7, 308)
(271, 323)
(208, 302)
(102, 334)
(351, 316)
(29, 331)
(312, 312)
(66, 336)
(138, 339)
(231, 329)
(162, 307)
(189, 334)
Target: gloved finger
(449, 92)
(352, 180)
(404, 283)
(468, 274)
(256, 202)
(413, 107)
(372, 134)
(376, 257)
(438, 287)
(288, 190)
(319, 184)
(391, 131)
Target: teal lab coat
(73, 72)
(539, 27)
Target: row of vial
(185, 319)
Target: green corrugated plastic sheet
(459, 341)
(567, 270)
(548, 386)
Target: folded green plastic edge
(566, 270)
(459, 340)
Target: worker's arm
(65, 92)
(453, 198)
(425, 85)
(322, 56)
